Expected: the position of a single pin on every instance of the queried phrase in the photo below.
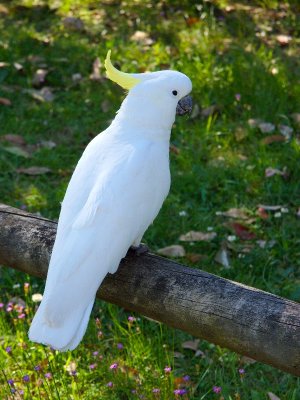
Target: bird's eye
(175, 92)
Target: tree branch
(247, 320)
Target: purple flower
(238, 96)
(26, 378)
(37, 368)
(21, 316)
(11, 382)
(95, 353)
(241, 371)
(110, 384)
(186, 378)
(131, 319)
(26, 285)
(113, 366)
(13, 390)
(155, 390)
(167, 369)
(8, 349)
(21, 392)
(48, 375)
(92, 366)
(133, 391)
(217, 389)
(180, 392)
(100, 334)
(1, 305)
(73, 372)
(120, 346)
(9, 308)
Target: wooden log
(247, 320)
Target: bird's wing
(92, 239)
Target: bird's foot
(139, 250)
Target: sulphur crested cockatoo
(116, 191)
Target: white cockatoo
(115, 193)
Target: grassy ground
(243, 59)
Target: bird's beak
(184, 106)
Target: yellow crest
(126, 81)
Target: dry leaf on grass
(237, 213)
(43, 95)
(39, 77)
(172, 251)
(270, 208)
(73, 23)
(266, 127)
(273, 396)
(261, 212)
(33, 170)
(191, 344)
(222, 256)
(254, 122)
(142, 38)
(274, 171)
(286, 131)
(194, 257)
(242, 231)
(17, 151)
(273, 139)
(13, 139)
(5, 102)
(96, 74)
(195, 236)
(283, 40)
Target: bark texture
(244, 319)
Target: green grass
(221, 164)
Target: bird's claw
(139, 250)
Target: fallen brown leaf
(39, 77)
(254, 122)
(17, 151)
(242, 231)
(238, 213)
(266, 127)
(33, 170)
(261, 212)
(222, 256)
(172, 251)
(273, 396)
(19, 67)
(194, 236)
(96, 75)
(73, 23)
(14, 139)
(286, 131)
(283, 40)
(142, 38)
(194, 257)
(270, 208)
(43, 95)
(269, 172)
(5, 102)
(273, 139)
(191, 344)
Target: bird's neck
(143, 116)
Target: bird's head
(155, 96)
